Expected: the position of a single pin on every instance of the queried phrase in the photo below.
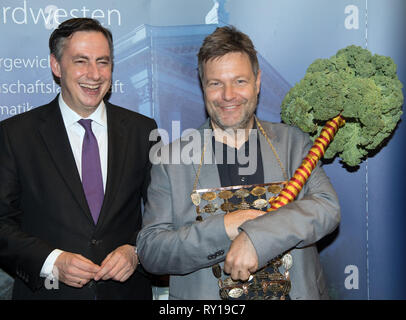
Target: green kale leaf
(362, 87)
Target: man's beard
(242, 124)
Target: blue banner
(155, 73)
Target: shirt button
(243, 179)
(95, 242)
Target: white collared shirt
(75, 134)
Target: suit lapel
(272, 169)
(53, 132)
(209, 176)
(117, 151)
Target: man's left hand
(241, 259)
(119, 265)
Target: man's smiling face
(85, 71)
(231, 91)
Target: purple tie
(92, 179)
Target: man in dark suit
(72, 175)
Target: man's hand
(241, 259)
(119, 265)
(233, 220)
(75, 270)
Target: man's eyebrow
(80, 57)
(87, 58)
(104, 58)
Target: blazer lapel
(272, 169)
(209, 176)
(53, 132)
(117, 150)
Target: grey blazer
(172, 242)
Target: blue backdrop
(155, 73)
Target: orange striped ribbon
(316, 152)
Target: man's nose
(93, 71)
(228, 92)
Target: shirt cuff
(48, 265)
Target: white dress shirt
(75, 134)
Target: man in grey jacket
(200, 226)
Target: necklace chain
(273, 148)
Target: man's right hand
(75, 270)
(233, 220)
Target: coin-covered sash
(272, 281)
(223, 200)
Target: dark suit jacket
(43, 206)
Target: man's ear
(55, 66)
(258, 81)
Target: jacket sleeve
(171, 241)
(21, 254)
(147, 170)
(300, 223)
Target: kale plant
(363, 87)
